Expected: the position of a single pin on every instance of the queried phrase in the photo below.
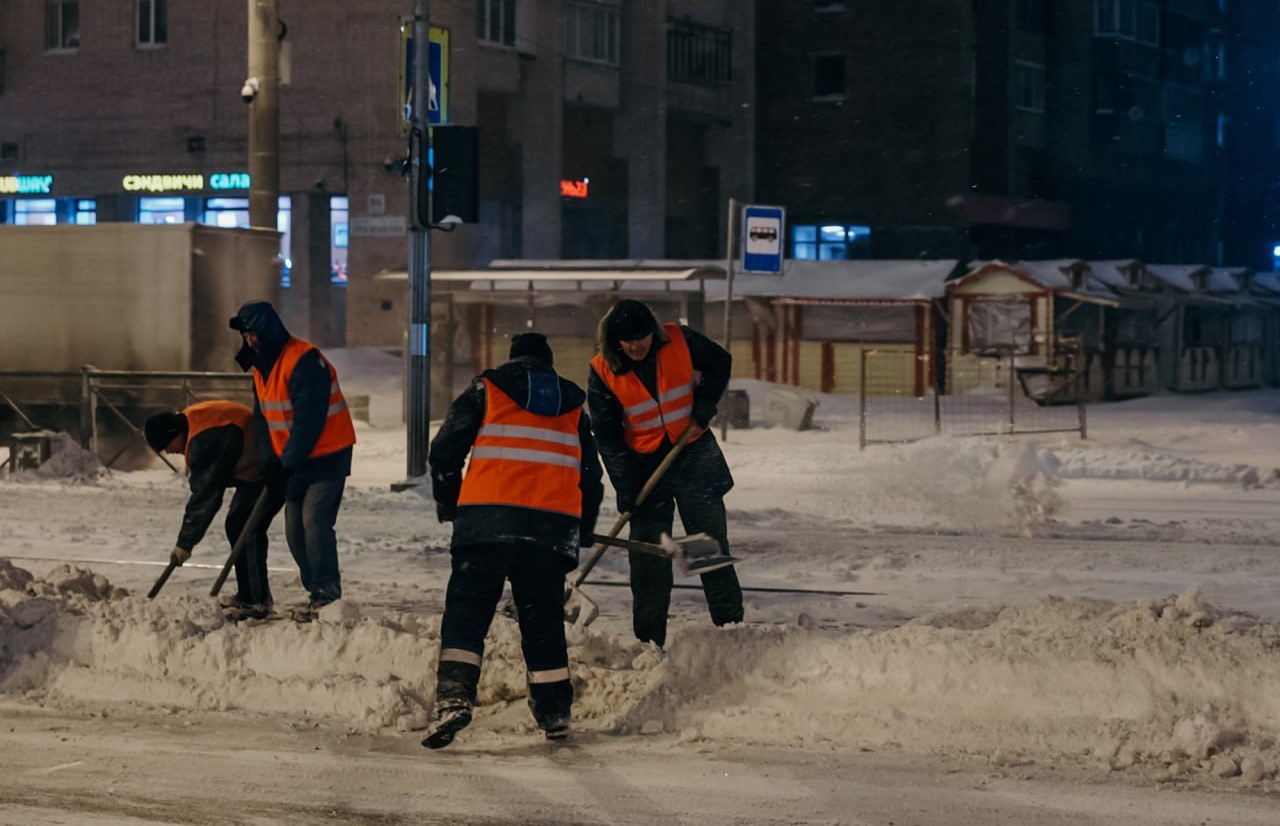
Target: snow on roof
(1112, 273)
(1178, 276)
(900, 280)
(1227, 279)
(1267, 282)
(1052, 275)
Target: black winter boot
(551, 704)
(456, 684)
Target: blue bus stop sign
(762, 237)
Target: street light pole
(261, 92)
(418, 378)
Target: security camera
(249, 90)
(448, 223)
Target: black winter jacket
(506, 524)
(702, 463)
(308, 393)
(211, 461)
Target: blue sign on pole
(762, 237)
(438, 76)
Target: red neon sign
(574, 189)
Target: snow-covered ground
(1037, 630)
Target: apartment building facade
(1015, 128)
(606, 129)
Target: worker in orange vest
(217, 441)
(647, 384)
(528, 500)
(305, 429)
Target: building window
(829, 77)
(1137, 20)
(830, 242)
(35, 211)
(153, 22)
(86, 211)
(339, 216)
(496, 21)
(1029, 15)
(592, 31)
(1028, 87)
(699, 54)
(161, 210)
(61, 25)
(226, 212)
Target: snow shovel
(164, 577)
(578, 607)
(695, 554)
(255, 516)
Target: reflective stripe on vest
(202, 416)
(647, 420)
(277, 408)
(524, 459)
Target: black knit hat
(162, 428)
(531, 344)
(629, 320)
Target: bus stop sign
(762, 234)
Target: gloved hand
(445, 511)
(703, 412)
(626, 501)
(275, 478)
(178, 556)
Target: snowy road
(1047, 632)
(125, 772)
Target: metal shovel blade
(697, 554)
(579, 610)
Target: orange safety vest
(646, 419)
(277, 408)
(202, 416)
(524, 459)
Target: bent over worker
(647, 384)
(217, 441)
(305, 430)
(528, 501)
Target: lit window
(339, 214)
(592, 31)
(161, 210)
(61, 25)
(226, 212)
(35, 212)
(830, 242)
(496, 21)
(153, 22)
(86, 211)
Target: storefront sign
(229, 180)
(162, 183)
(25, 184)
(574, 189)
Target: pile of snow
(67, 462)
(1174, 684)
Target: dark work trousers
(310, 513)
(537, 589)
(651, 576)
(252, 587)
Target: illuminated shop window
(830, 242)
(339, 214)
(226, 212)
(86, 211)
(35, 212)
(161, 211)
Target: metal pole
(729, 249)
(862, 399)
(264, 113)
(418, 379)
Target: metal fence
(996, 397)
(128, 396)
